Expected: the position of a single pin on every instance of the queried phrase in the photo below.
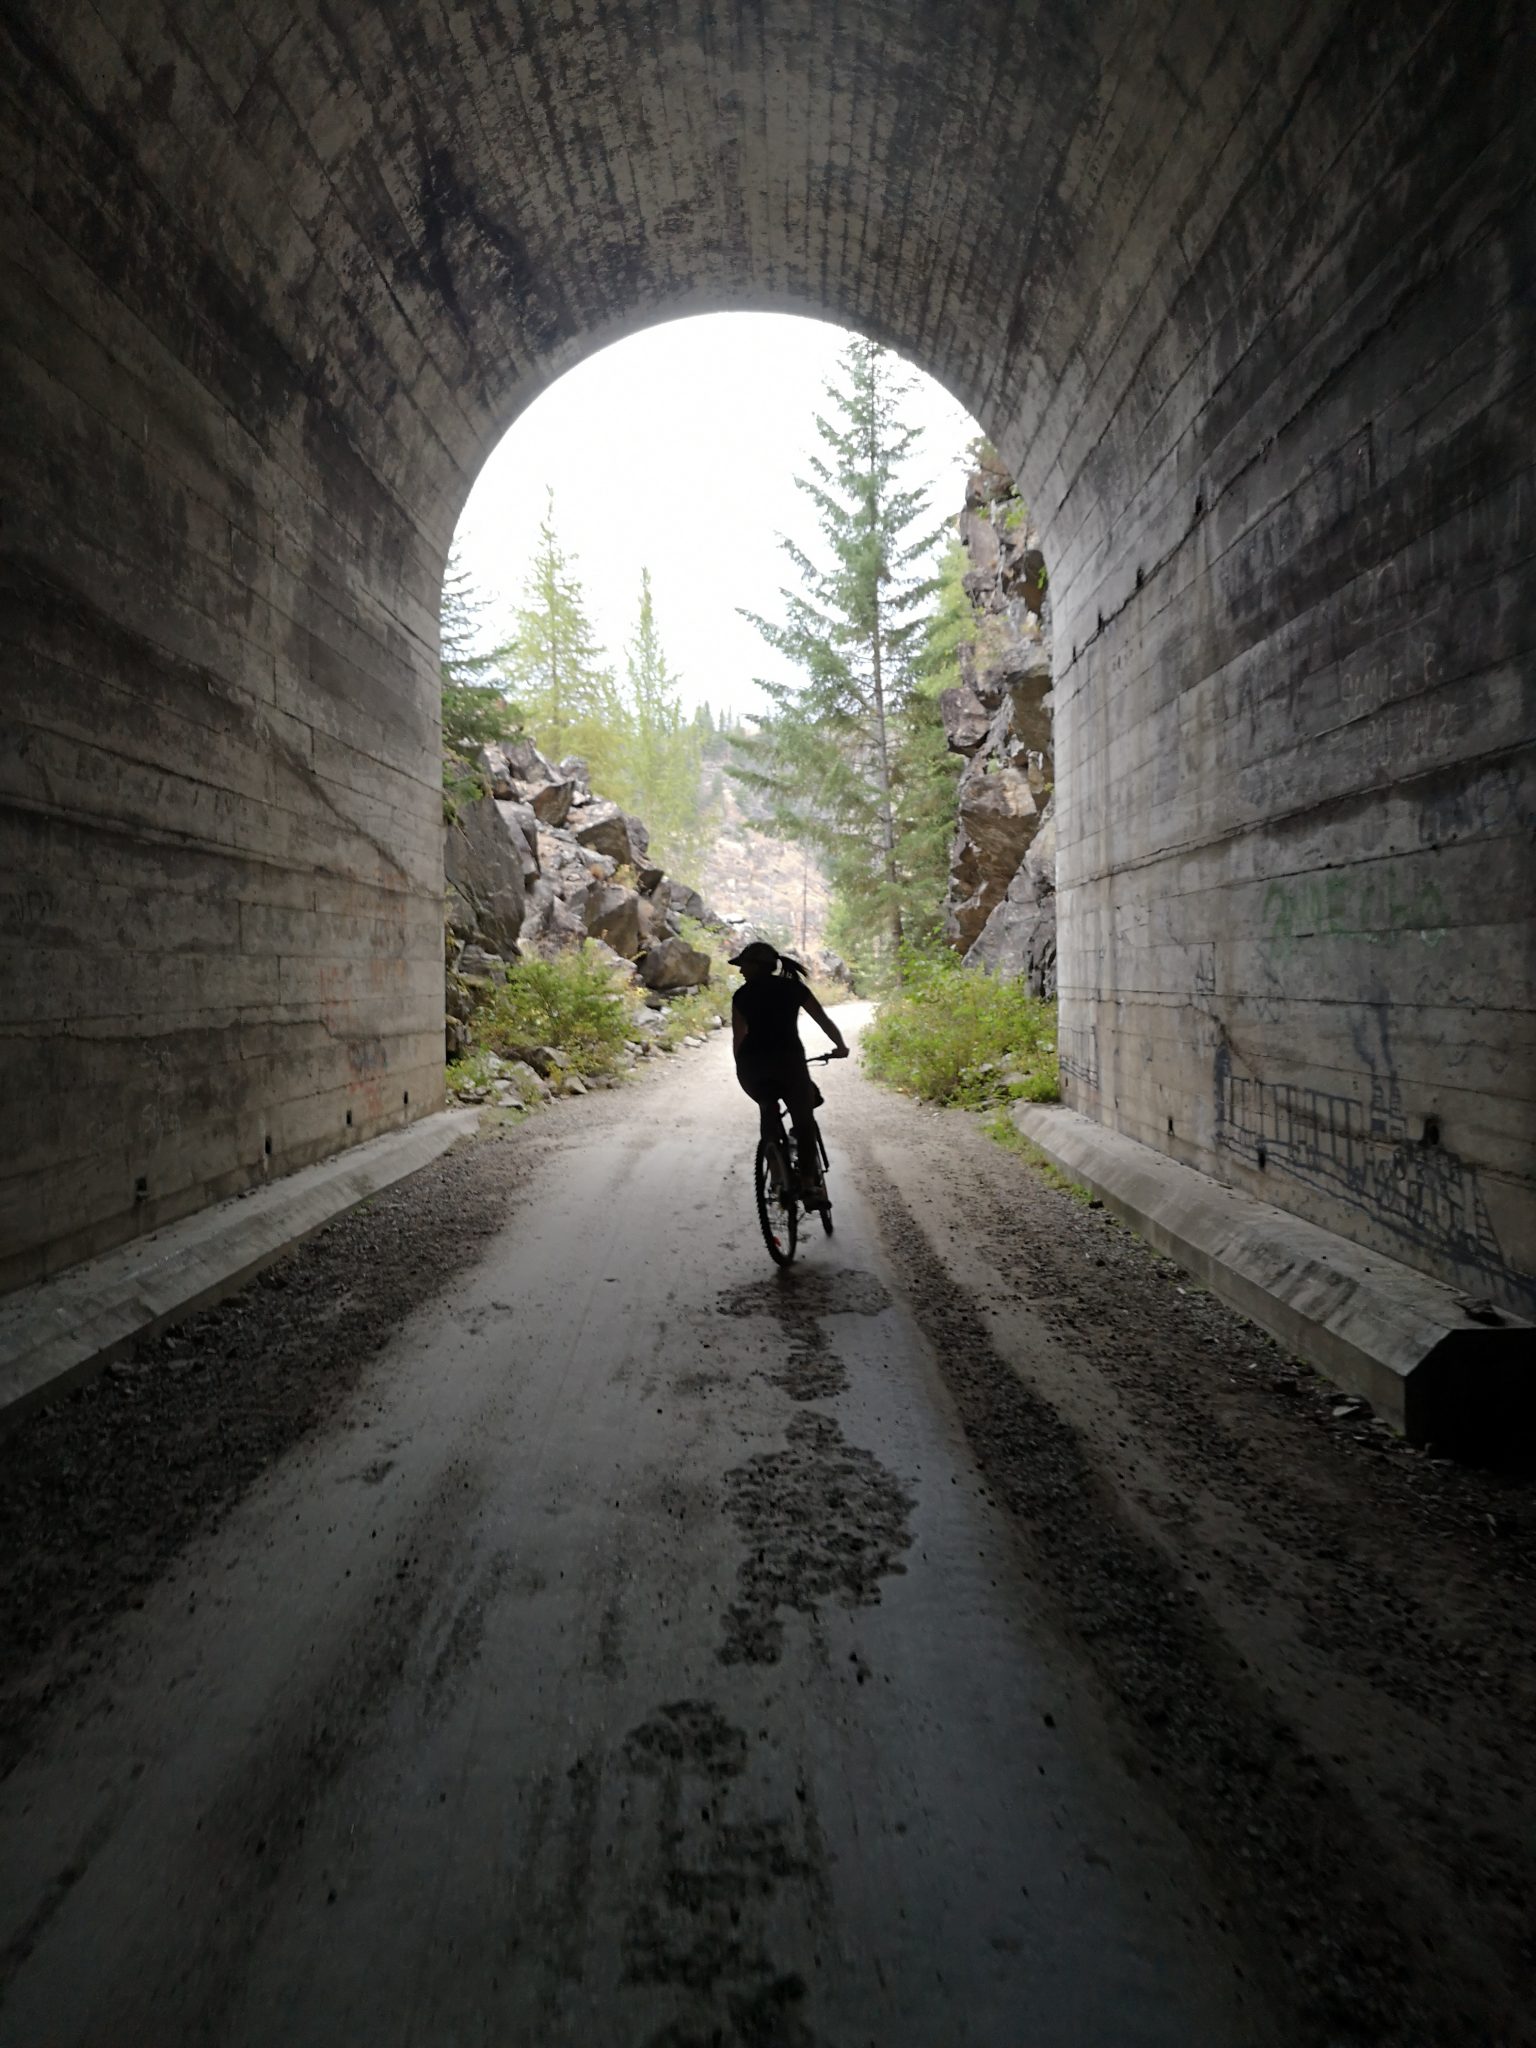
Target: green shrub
(955, 1036)
(572, 1002)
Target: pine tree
(658, 758)
(555, 666)
(824, 761)
(474, 708)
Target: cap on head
(758, 954)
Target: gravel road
(523, 1617)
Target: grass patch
(953, 1036)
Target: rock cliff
(1001, 908)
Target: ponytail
(794, 969)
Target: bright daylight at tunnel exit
(767, 1246)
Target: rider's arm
(809, 1004)
(738, 1025)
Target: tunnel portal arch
(1235, 293)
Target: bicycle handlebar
(820, 1059)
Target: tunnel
(1244, 298)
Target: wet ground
(525, 1617)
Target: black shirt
(770, 1005)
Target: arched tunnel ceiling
(1239, 294)
(433, 210)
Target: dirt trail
(523, 1617)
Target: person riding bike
(770, 1060)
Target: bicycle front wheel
(776, 1213)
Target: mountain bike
(778, 1205)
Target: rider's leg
(800, 1100)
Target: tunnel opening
(277, 288)
(644, 475)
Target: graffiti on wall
(1374, 906)
(1362, 1152)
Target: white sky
(677, 450)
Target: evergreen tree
(824, 761)
(657, 758)
(555, 665)
(474, 708)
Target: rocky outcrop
(541, 863)
(1001, 908)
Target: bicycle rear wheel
(776, 1214)
(826, 1207)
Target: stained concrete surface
(639, 1656)
(979, 1635)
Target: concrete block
(1439, 1365)
(55, 1334)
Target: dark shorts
(790, 1084)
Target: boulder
(674, 964)
(476, 964)
(603, 827)
(549, 920)
(998, 821)
(530, 1084)
(964, 718)
(525, 825)
(525, 763)
(562, 860)
(492, 763)
(1018, 938)
(678, 900)
(574, 769)
(612, 913)
(483, 870)
(999, 816)
(603, 955)
(648, 875)
(551, 801)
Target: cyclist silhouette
(770, 1060)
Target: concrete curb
(62, 1330)
(1380, 1329)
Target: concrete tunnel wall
(1241, 295)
